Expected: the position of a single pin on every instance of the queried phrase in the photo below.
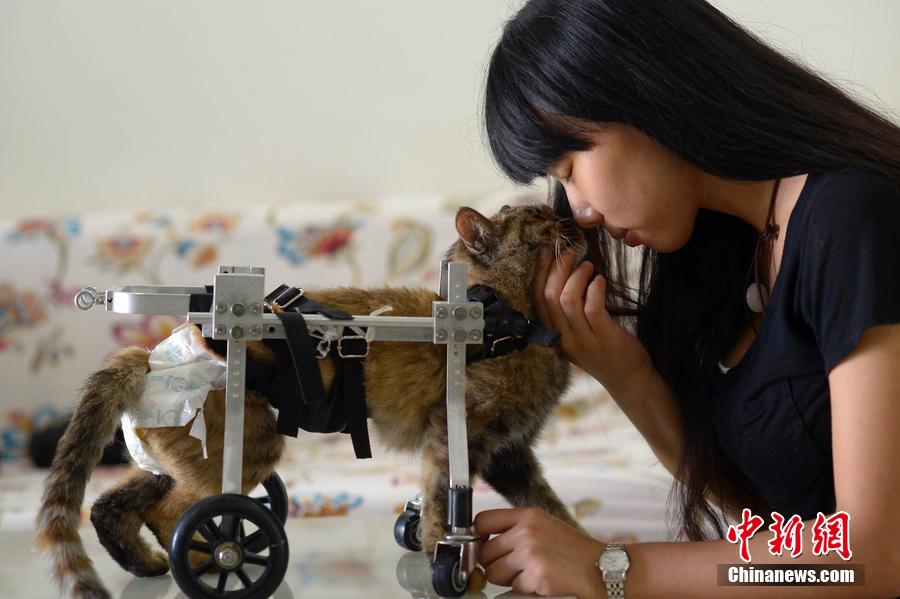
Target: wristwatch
(614, 563)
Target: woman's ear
(475, 230)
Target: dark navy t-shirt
(839, 275)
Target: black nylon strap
(312, 409)
(349, 390)
(344, 409)
(201, 302)
(505, 330)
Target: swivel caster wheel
(407, 531)
(447, 576)
(215, 531)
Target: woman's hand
(534, 552)
(574, 303)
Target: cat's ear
(475, 230)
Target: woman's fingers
(571, 300)
(493, 522)
(496, 548)
(595, 304)
(503, 571)
(553, 288)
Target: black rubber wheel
(445, 576)
(406, 530)
(276, 497)
(215, 527)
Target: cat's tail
(105, 396)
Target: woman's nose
(585, 215)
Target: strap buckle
(323, 346)
(284, 298)
(500, 340)
(348, 354)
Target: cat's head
(502, 250)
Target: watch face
(614, 561)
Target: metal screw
(237, 332)
(221, 307)
(228, 555)
(475, 335)
(441, 312)
(255, 330)
(459, 312)
(440, 335)
(475, 312)
(255, 308)
(238, 309)
(459, 335)
(220, 330)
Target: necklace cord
(770, 231)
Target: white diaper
(182, 372)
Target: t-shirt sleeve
(850, 266)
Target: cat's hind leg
(117, 516)
(515, 473)
(163, 516)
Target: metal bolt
(220, 330)
(237, 332)
(221, 307)
(459, 312)
(255, 308)
(255, 330)
(459, 335)
(441, 312)
(440, 335)
(238, 309)
(475, 335)
(475, 312)
(228, 555)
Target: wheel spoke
(209, 531)
(206, 567)
(249, 541)
(255, 559)
(244, 578)
(223, 580)
(199, 546)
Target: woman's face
(633, 187)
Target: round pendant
(757, 297)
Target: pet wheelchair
(237, 315)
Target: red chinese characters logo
(832, 534)
(743, 532)
(786, 537)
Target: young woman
(757, 348)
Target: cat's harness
(294, 384)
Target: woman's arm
(536, 553)
(575, 305)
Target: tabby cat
(508, 399)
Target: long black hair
(704, 88)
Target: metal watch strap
(615, 589)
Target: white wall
(125, 103)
